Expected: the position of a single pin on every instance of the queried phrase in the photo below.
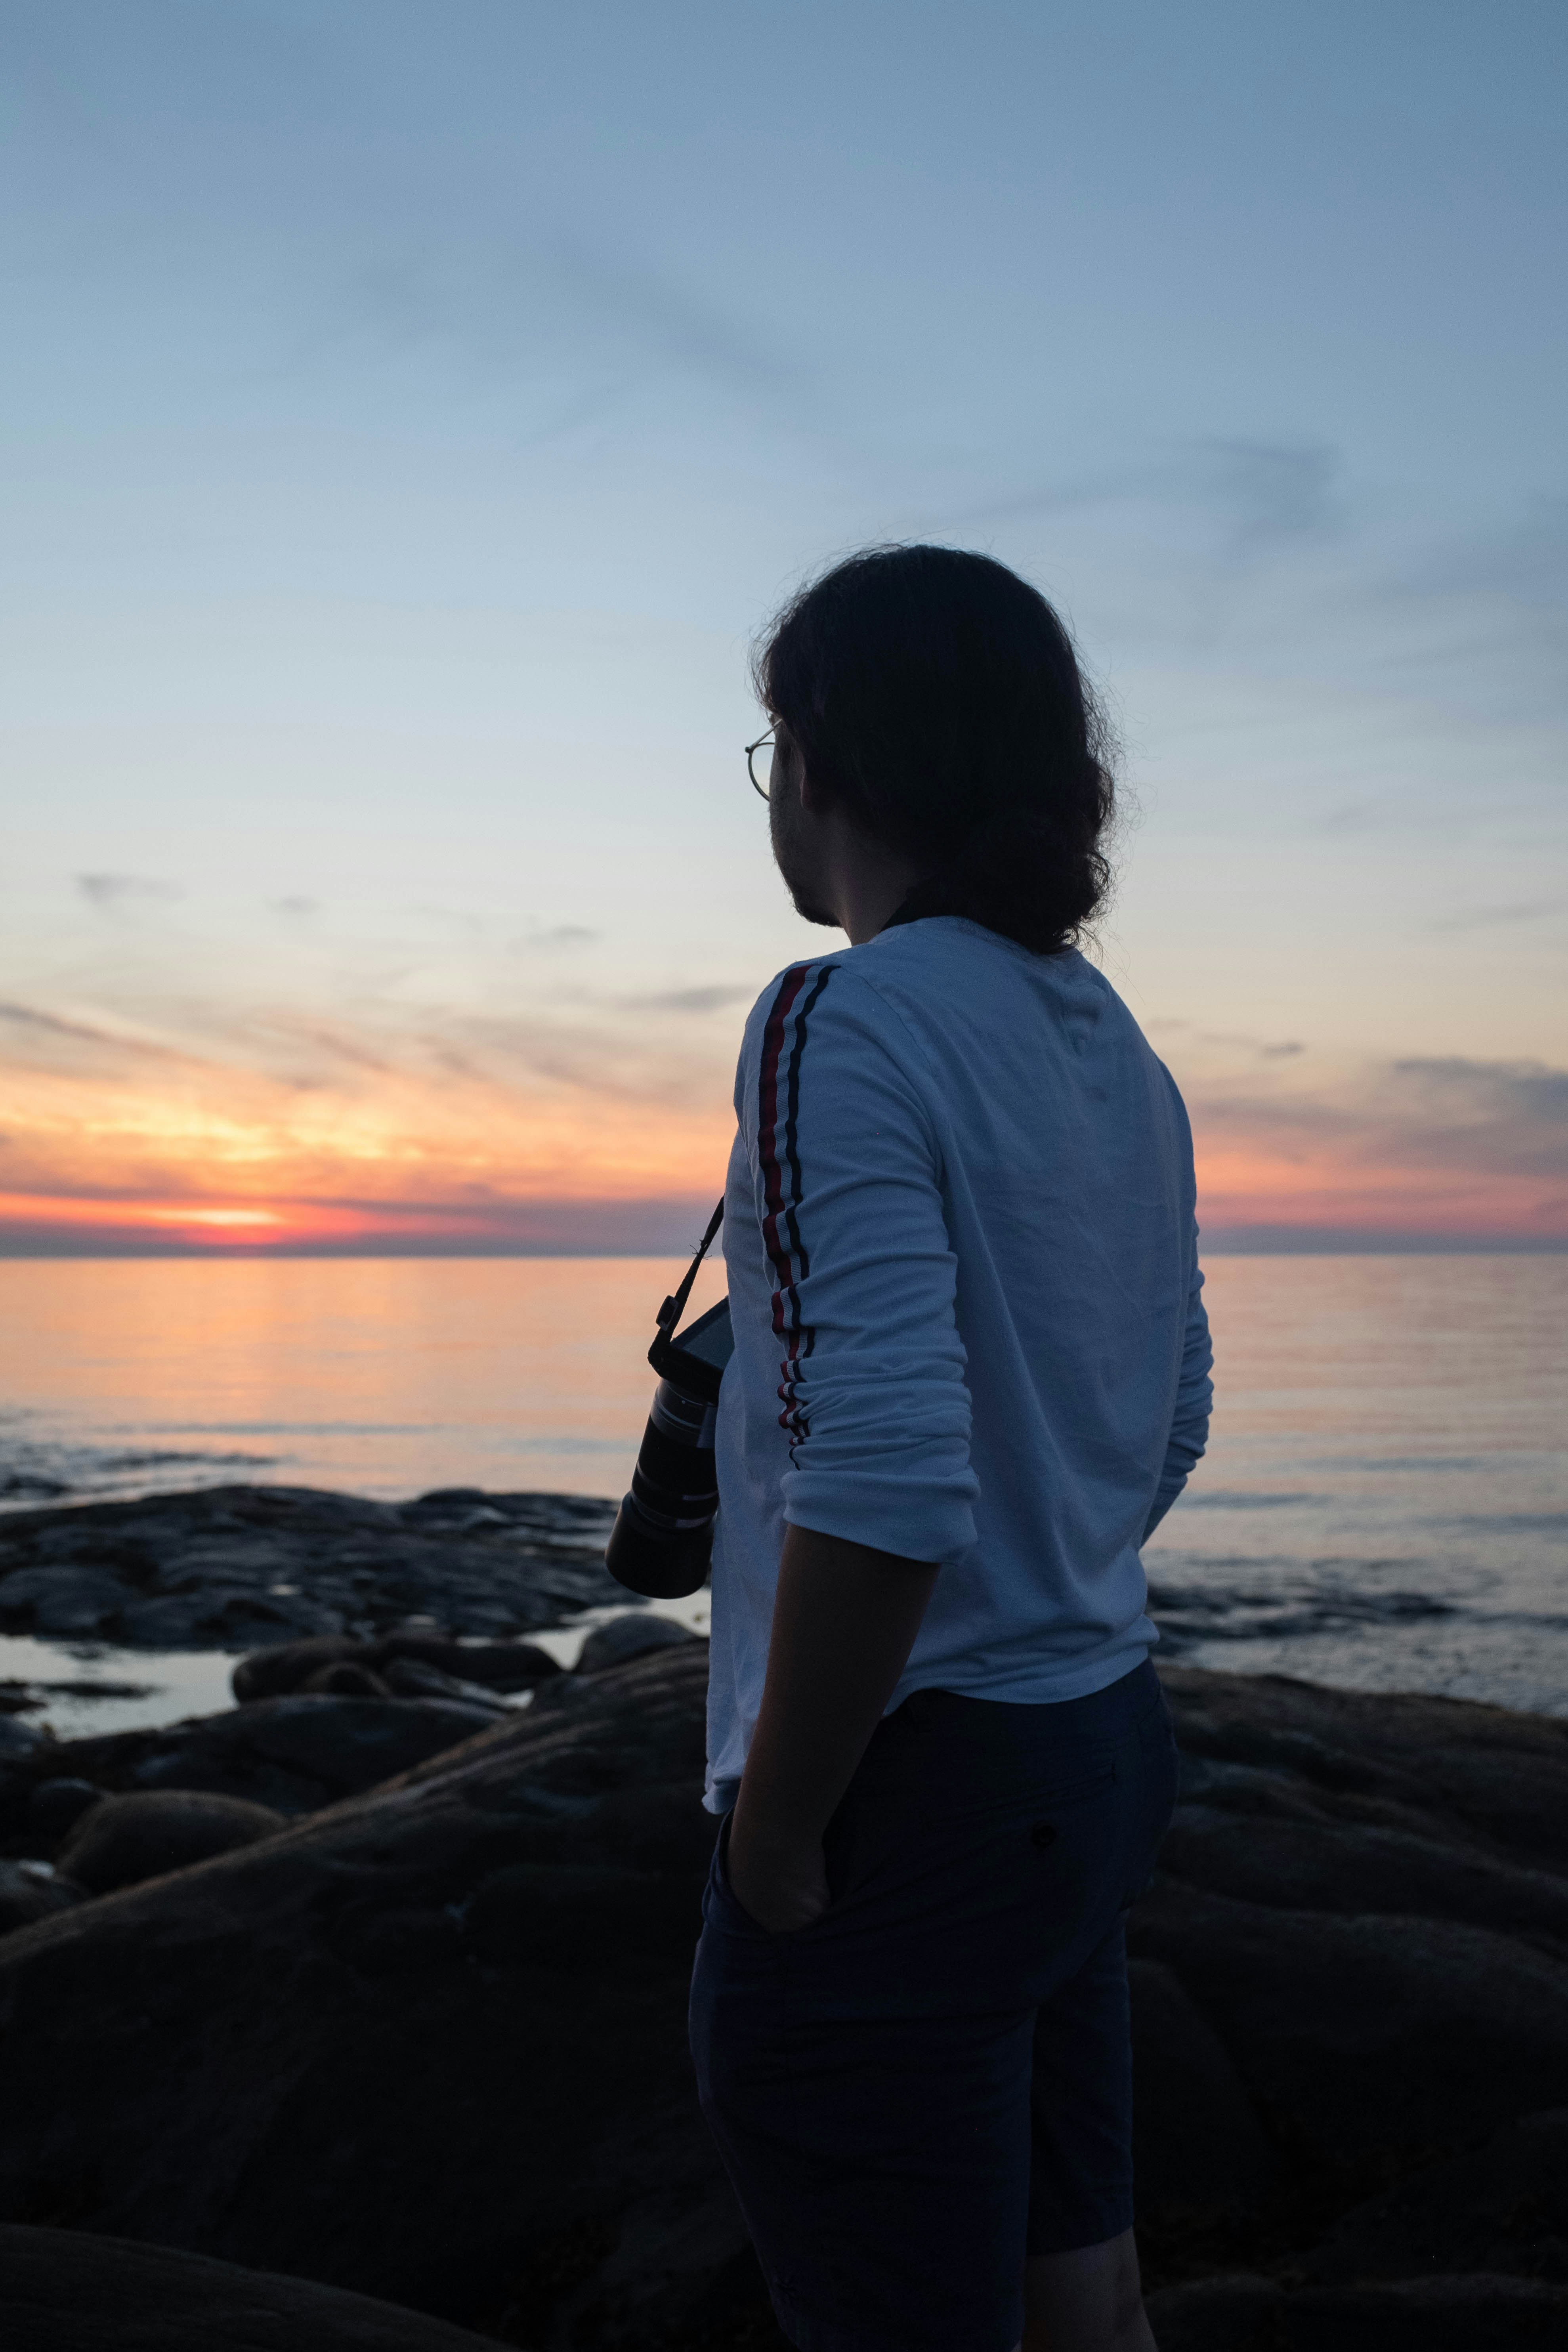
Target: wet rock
(632, 1635)
(55, 1807)
(230, 1567)
(125, 1840)
(18, 1739)
(63, 1599)
(67, 2291)
(29, 1891)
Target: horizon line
(1234, 1241)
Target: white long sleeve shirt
(964, 1283)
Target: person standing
(971, 1374)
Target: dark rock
(1201, 2157)
(433, 2040)
(62, 1599)
(1341, 1866)
(18, 1739)
(412, 1678)
(272, 1672)
(1502, 2207)
(564, 1691)
(55, 1807)
(1461, 2313)
(1370, 2041)
(495, 1666)
(125, 1840)
(349, 1679)
(301, 1665)
(432, 2043)
(29, 1891)
(1481, 1776)
(67, 2291)
(1227, 2314)
(294, 1754)
(628, 1636)
(227, 1567)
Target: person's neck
(868, 891)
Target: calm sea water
(1385, 1504)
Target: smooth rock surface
(492, 1666)
(55, 1807)
(63, 2291)
(1203, 2158)
(123, 1840)
(1463, 2314)
(29, 1892)
(294, 1754)
(1507, 2198)
(431, 2044)
(632, 1635)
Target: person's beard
(791, 856)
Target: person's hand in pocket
(781, 1884)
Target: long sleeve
(1195, 1396)
(874, 1412)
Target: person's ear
(813, 799)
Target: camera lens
(663, 1536)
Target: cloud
(1268, 492)
(1506, 1117)
(560, 935)
(54, 1038)
(567, 326)
(111, 894)
(689, 1000)
(1262, 494)
(1283, 1052)
(1483, 919)
(1424, 1142)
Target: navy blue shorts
(934, 2081)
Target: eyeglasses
(765, 744)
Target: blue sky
(413, 412)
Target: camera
(662, 1541)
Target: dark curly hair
(938, 698)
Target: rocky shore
(227, 1568)
(387, 1993)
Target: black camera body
(662, 1541)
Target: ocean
(1383, 1505)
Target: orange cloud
(595, 1127)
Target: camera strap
(670, 1313)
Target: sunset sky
(413, 412)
